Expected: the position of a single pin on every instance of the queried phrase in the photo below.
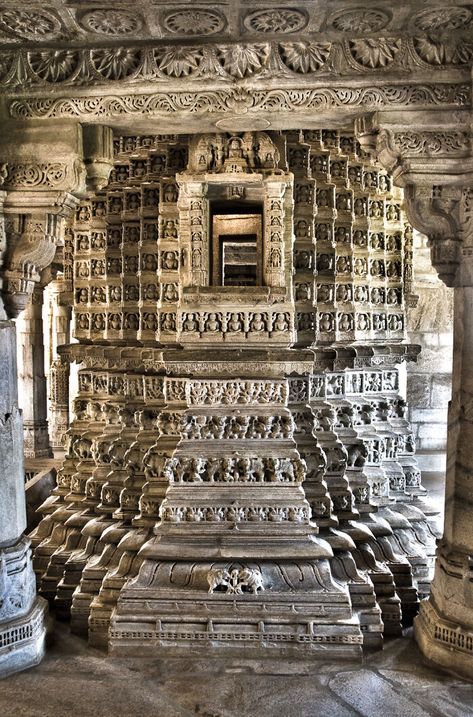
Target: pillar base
(447, 644)
(22, 641)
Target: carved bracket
(421, 162)
(33, 229)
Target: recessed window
(237, 250)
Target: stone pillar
(22, 613)
(40, 167)
(431, 164)
(31, 377)
(444, 627)
(59, 372)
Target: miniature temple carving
(239, 308)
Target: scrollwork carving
(241, 99)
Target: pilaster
(434, 166)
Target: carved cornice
(243, 100)
(178, 64)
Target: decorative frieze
(242, 99)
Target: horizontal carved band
(431, 143)
(284, 60)
(242, 100)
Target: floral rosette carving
(431, 51)
(304, 57)
(241, 61)
(178, 61)
(113, 23)
(443, 18)
(30, 24)
(193, 22)
(54, 65)
(277, 20)
(116, 63)
(372, 53)
(361, 20)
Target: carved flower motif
(443, 18)
(178, 61)
(374, 52)
(305, 57)
(33, 25)
(54, 65)
(111, 22)
(437, 52)
(242, 60)
(194, 22)
(361, 20)
(116, 63)
(240, 100)
(283, 20)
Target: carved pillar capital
(436, 211)
(98, 155)
(434, 165)
(34, 223)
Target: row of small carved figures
(236, 469)
(234, 514)
(233, 323)
(345, 264)
(126, 234)
(165, 292)
(116, 266)
(131, 202)
(354, 206)
(338, 170)
(251, 321)
(236, 427)
(217, 427)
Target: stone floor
(79, 681)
